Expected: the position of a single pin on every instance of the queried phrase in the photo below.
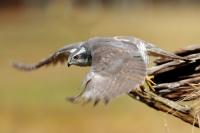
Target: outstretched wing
(117, 68)
(60, 55)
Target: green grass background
(35, 102)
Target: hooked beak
(68, 64)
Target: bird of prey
(118, 65)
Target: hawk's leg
(150, 83)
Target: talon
(150, 83)
(149, 79)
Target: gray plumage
(118, 65)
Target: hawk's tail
(158, 52)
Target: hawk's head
(80, 57)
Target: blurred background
(31, 29)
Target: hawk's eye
(76, 57)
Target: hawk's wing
(60, 55)
(116, 69)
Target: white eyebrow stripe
(82, 50)
(73, 50)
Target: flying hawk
(118, 65)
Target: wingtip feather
(22, 67)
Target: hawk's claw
(150, 83)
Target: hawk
(118, 65)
